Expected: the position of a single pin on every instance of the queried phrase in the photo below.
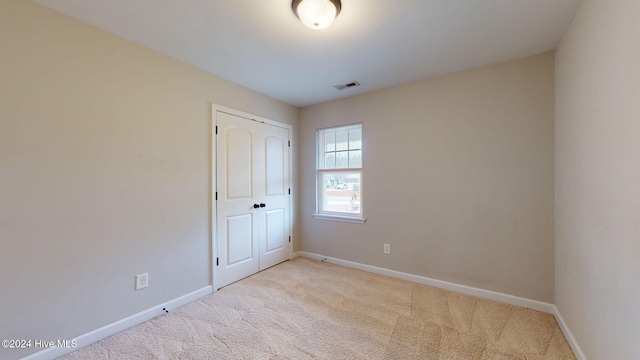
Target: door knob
(262, 205)
(255, 206)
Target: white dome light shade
(316, 14)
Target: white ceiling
(260, 44)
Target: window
(339, 173)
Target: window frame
(321, 172)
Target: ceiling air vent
(344, 86)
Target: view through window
(340, 171)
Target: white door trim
(212, 206)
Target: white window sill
(348, 219)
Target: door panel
(238, 163)
(275, 230)
(275, 149)
(239, 235)
(252, 169)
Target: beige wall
(597, 178)
(104, 174)
(458, 178)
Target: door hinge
(289, 191)
(216, 195)
(289, 238)
(289, 143)
(217, 261)
(216, 129)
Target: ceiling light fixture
(316, 14)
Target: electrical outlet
(142, 281)
(387, 249)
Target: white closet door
(253, 205)
(274, 247)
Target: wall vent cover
(345, 86)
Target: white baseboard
(120, 325)
(464, 289)
(577, 351)
(146, 315)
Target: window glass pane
(329, 161)
(341, 192)
(342, 160)
(342, 140)
(355, 159)
(330, 141)
(355, 139)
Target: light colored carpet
(305, 309)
